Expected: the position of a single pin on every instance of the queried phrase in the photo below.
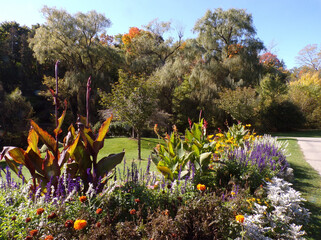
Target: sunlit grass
(118, 144)
(308, 182)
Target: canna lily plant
(172, 157)
(79, 152)
(42, 169)
(83, 161)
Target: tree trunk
(139, 146)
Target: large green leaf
(82, 158)
(205, 160)
(45, 137)
(108, 163)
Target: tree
(306, 94)
(146, 49)
(15, 111)
(74, 40)
(310, 56)
(240, 103)
(133, 101)
(18, 68)
(228, 47)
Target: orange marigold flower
(52, 215)
(33, 232)
(201, 187)
(49, 237)
(239, 218)
(40, 211)
(98, 224)
(28, 219)
(80, 224)
(137, 200)
(82, 199)
(69, 223)
(132, 212)
(99, 211)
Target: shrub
(239, 103)
(281, 116)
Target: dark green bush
(283, 116)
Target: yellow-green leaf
(104, 129)
(45, 137)
(165, 171)
(60, 120)
(33, 141)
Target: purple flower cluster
(261, 154)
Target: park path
(311, 148)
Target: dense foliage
(244, 191)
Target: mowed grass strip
(116, 145)
(308, 182)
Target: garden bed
(229, 185)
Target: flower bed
(231, 185)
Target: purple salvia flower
(120, 175)
(148, 165)
(47, 194)
(124, 169)
(193, 171)
(128, 174)
(179, 173)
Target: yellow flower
(232, 193)
(80, 224)
(248, 125)
(219, 135)
(201, 187)
(210, 138)
(239, 218)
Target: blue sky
(290, 25)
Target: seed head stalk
(56, 104)
(87, 101)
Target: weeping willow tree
(75, 41)
(225, 54)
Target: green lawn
(308, 182)
(118, 144)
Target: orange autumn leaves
(133, 32)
